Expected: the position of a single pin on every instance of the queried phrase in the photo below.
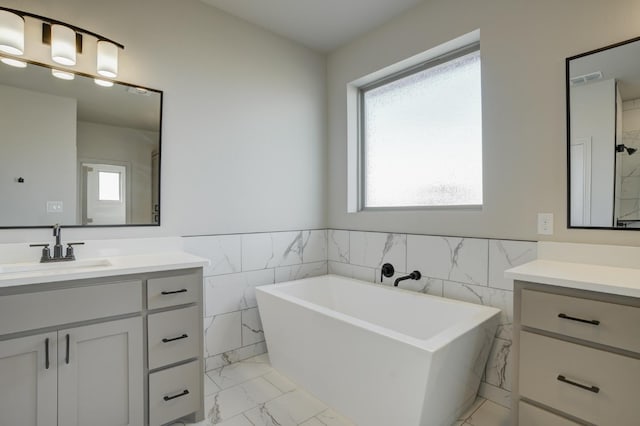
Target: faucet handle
(46, 253)
(70, 254)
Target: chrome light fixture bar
(65, 40)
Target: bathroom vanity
(576, 342)
(120, 343)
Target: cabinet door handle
(66, 358)
(567, 317)
(165, 340)
(164, 293)
(593, 389)
(169, 398)
(46, 353)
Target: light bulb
(14, 62)
(103, 83)
(63, 75)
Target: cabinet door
(100, 374)
(28, 393)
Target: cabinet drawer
(547, 365)
(171, 291)
(174, 393)
(529, 415)
(29, 311)
(617, 324)
(173, 336)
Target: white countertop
(604, 279)
(114, 265)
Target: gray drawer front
(29, 311)
(181, 385)
(543, 359)
(529, 415)
(172, 291)
(173, 326)
(618, 324)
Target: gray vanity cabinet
(577, 357)
(28, 388)
(100, 382)
(87, 375)
(111, 351)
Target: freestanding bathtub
(378, 355)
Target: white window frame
(355, 109)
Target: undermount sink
(53, 266)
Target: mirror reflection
(76, 153)
(604, 137)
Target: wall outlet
(55, 207)
(545, 223)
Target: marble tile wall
(468, 269)
(240, 263)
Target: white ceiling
(319, 24)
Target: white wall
(100, 142)
(244, 115)
(593, 116)
(37, 143)
(524, 45)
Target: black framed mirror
(603, 137)
(76, 151)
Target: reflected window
(109, 186)
(421, 135)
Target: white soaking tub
(378, 355)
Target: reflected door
(105, 195)
(581, 182)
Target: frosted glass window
(422, 137)
(108, 186)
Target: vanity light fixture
(11, 33)
(63, 75)
(14, 62)
(66, 41)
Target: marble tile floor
(252, 393)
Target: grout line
(474, 411)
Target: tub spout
(415, 275)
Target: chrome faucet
(57, 248)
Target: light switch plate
(545, 223)
(55, 207)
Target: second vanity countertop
(101, 267)
(581, 276)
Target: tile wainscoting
(240, 263)
(468, 269)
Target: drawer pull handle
(169, 398)
(164, 293)
(592, 322)
(593, 389)
(66, 358)
(165, 340)
(46, 353)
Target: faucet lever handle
(70, 254)
(46, 253)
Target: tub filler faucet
(388, 271)
(415, 275)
